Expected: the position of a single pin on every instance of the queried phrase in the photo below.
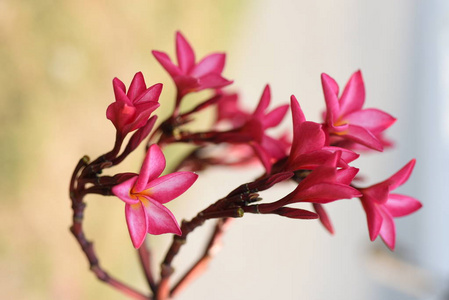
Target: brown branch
(201, 265)
(145, 261)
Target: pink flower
(345, 116)
(381, 206)
(309, 148)
(131, 110)
(145, 194)
(268, 149)
(190, 76)
(324, 184)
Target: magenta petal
(401, 205)
(326, 192)
(166, 63)
(353, 95)
(364, 137)
(137, 223)
(263, 156)
(213, 63)
(170, 186)
(401, 176)
(373, 217)
(184, 53)
(120, 91)
(137, 86)
(123, 190)
(141, 134)
(151, 94)
(212, 80)
(345, 176)
(297, 113)
(275, 117)
(295, 213)
(388, 230)
(160, 220)
(263, 102)
(372, 119)
(324, 218)
(331, 98)
(347, 155)
(152, 167)
(309, 137)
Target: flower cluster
(317, 156)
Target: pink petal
(137, 223)
(263, 156)
(353, 95)
(345, 176)
(151, 94)
(346, 154)
(295, 213)
(152, 167)
(388, 230)
(377, 193)
(297, 113)
(166, 63)
(213, 63)
(123, 190)
(324, 218)
(120, 91)
(160, 220)
(121, 115)
(326, 192)
(263, 102)
(364, 137)
(308, 137)
(275, 117)
(212, 80)
(170, 186)
(137, 86)
(309, 160)
(401, 205)
(184, 53)
(141, 134)
(373, 217)
(372, 119)
(273, 147)
(331, 98)
(401, 176)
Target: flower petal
(184, 53)
(297, 113)
(401, 205)
(120, 91)
(388, 230)
(160, 220)
(274, 117)
(212, 80)
(263, 102)
(166, 63)
(152, 167)
(372, 119)
(324, 218)
(151, 94)
(137, 223)
(364, 137)
(170, 186)
(401, 176)
(353, 95)
(137, 86)
(123, 190)
(373, 217)
(326, 192)
(213, 63)
(331, 98)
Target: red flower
(131, 110)
(346, 118)
(190, 76)
(381, 206)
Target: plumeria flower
(324, 184)
(345, 117)
(381, 206)
(190, 76)
(146, 192)
(131, 110)
(309, 149)
(268, 149)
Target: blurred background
(58, 59)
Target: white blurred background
(58, 60)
